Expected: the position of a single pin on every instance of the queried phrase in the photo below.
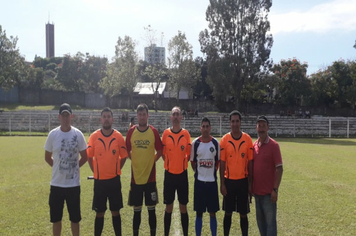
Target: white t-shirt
(65, 148)
(206, 156)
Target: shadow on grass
(323, 141)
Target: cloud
(322, 18)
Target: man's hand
(223, 190)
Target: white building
(155, 55)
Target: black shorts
(236, 198)
(173, 182)
(138, 191)
(107, 189)
(206, 196)
(57, 197)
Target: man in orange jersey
(236, 173)
(176, 153)
(142, 141)
(107, 154)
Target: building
(155, 55)
(49, 40)
(149, 88)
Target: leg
(99, 223)
(260, 216)
(136, 220)
(116, 222)
(184, 218)
(227, 223)
(75, 228)
(198, 223)
(152, 219)
(213, 224)
(168, 218)
(244, 224)
(57, 228)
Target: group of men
(246, 169)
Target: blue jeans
(266, 215)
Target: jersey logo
(206, 163)
(113, 152)
(153, 196)
(242, 155)
(182, 147)
(211, 149)
(142, 143)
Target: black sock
(98, 226)
(167, 222)
(185, 222)
(244, 225)
(116, 223)
(152, 220)
(227, 224)
(136, 221)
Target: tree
(202, 88)
(12, 64)
(93, 71)
(237, 37)
(324, 89)
(122, 72)
(293, 85)
(69, 72)
(182, 69)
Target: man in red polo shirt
(267, 175)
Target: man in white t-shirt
(62, 149)
(205, 158)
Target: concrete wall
(11, 96)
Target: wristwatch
(275, 189)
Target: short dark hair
(235, 112)
(205, 119)
(106, 109)
(141, 107)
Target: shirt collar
(266, 141)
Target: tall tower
(49, 40)
(155, 55)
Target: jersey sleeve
(48, 145)
(189, 145)
(158, 142)
(277, 156)
(81, 141)
(91, 148)
(192, 151)
(128, 139)
(222, 148)
(250, 149)
(164, 137)
(122, 145)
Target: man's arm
(122, 162)
(222, 178)
(250, 179)
(194, 165)
(83, 157)
(48, 158)
(158, 154)
(277, 182)
(90, 161)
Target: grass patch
(316, 195)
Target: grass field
(317, 195)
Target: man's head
(176, 116)
(235, 121)
(142, 115)
(262, 127)
(205, 127)
(65, 107)
(106, 118)
(65, 116)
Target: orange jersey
(236, 153)
(142, 146)
(106, 152)
(176, 150)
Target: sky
(317, 32)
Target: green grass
(316, 196)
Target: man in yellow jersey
(142, 141)
(106, 156)
(176, 153)
(236, 173)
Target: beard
(107, 126)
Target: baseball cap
(262, 118)
(65, 108)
